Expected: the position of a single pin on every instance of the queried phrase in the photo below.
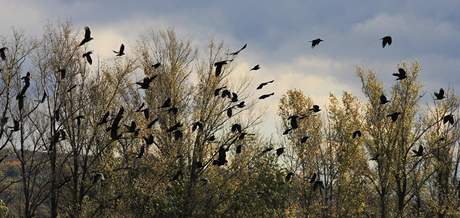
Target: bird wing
(87, 32)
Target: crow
(439, 95)
(279, 151)
(237, 52)
(236, 128)
(87, 37)
(2, 53)
(197, 125)
(226, 93)
(448, 119)
(87, 55)
(401, 74)
(217, 91)
(266, 95)
(229, 112)
(419, 152)
(234, 97)
(26, 79)
(394, 116)
(386, 40)
(315, 42)
(242, 104)
(145, 83)
(257, 67)
(219, 66)
(157, 65)
(238, 149)
(120, 52)
(383, 99)
(266, 150)
(315, 108)
(264, 84)
(294, 121)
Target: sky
(277, 33)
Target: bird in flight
(448, 119)
(239, 50)
(120, 52)
(383, 99)
(87, 55)
(386, 40)
(315, 42)
(266, 95)
(264, 84)
(219, 65)
(394, 116)
(315, 109)
(257, 67)
(401, 74)
(2, 53)
(439, 95)
(419, 152)
(87, 37)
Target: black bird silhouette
(315, 108)
(419, 152)
(293, 119)
(264, 84)
(439, 95)
(222, 157)
(279, 151)
(150, 125)
(394, 116)
(174, 127)
(115, 124)
(87, 55)
(15, 126)
(2, 53)
(149, 139)
(266, 150)
(104, 118)
(257, 67)
(167, 103)
(312, 178)
(315, 42)
(217, 91)
(157, 65)
(386, 40)
(242, 104)
(383, 99)
(120, 52)
(219, 66)
(197, 125)
(141, 151)
(239, 50)
(401, 74)
(62, 73)
(448, 119)
(236, 128)
(266, 95)
(226, 94)
(238, 148)
(145, 83)
(26, 79)
(234, 97)
(146, 113)
(289, 176)
(229, 112)
(87, 37)
(304, 139)
(356, 134)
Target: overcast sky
(277, 33)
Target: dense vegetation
(187, 158)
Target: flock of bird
(223, 92)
